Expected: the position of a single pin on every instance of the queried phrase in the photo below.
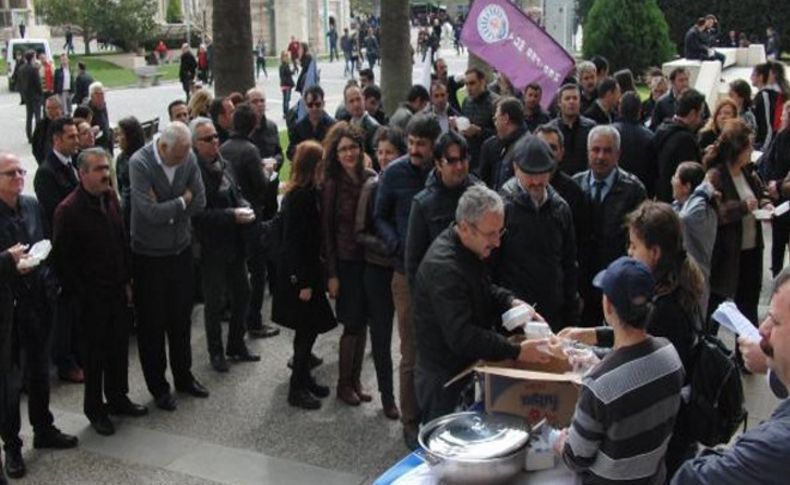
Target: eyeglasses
(21, 172)
(209, 138)
(489, 235)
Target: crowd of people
(440, 217)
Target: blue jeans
(286, 100)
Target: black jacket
(81, 85)
(35, 291)
(215, 226)
(456, 310)
(52, 183)
(187, 67)
(637, 154)
(674, 143)
(494, 171)
(267, 138)
(574, 196)
(596, 113)
(432, 211)
(575, 141)
(664, 110)
(300, 266)
(694, 45)
(303, 130)
(29, 83)
(536, 119)
(7, 274)
(607, 236)
(59, 82)
(537, 257)
(42, 140)
(725, 260)
(245, 164)
(102, 119)
(480, 111)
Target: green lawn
(112, 75)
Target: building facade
(276, 21)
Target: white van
(21, 46)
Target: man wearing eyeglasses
(457, 307)
(220, 228)
(34, 292)
(433, 208)
(315, 125)
(537, 258)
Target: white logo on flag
(492, 24)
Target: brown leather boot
(356, 369)
(345, 386)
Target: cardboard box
(531, 391)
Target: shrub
(629, 33)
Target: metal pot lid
(473, 435)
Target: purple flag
(509, 41)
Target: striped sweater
(625, 415)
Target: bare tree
(396, 58)
(233, 61)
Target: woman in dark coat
(737, 262)
(130, 138)
(299, 300)
(345, 257)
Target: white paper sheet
(728, 315)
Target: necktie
(598, 196)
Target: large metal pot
(473, 448)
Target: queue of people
(441, 224)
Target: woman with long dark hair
(775, 166)
(656, 239)
(131, 138)
(344, 176)
(299, 301)
(737, 262)
(390, 145)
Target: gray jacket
(760, 455)
(700, 223)
(161, 225)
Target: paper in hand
(728, 315)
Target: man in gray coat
(167, 190)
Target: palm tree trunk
(233, 61)
(396, 59)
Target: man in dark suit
(42, 141)
(55, 179)
(34, 290)
(93, 263)
(30, 88)
(81, 84)
(602, 109)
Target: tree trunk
(86, 37)
(233, 62)
(396, 59)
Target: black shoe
(14, 463)
(194, 389)
(54, 438)
(219, 363)
(166, 402)
(243, 355)
(317, 389)
(264, 331)
(302, 398)
(315, 361)
(127, 408)
(103, 426)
